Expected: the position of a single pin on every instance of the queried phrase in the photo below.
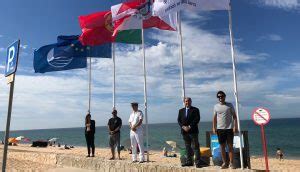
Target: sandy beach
(34, 162)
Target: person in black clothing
(114, 125)
(90, 134)
(188, 119)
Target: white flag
(132, 22)
(122, 10)
(164, 7)
(126, 17)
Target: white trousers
(136, 138)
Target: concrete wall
(43, 158)
(100, 164)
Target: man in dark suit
(188, 119)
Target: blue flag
(46, 60)
(68, 53)
(71, 46)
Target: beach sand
(16, 163)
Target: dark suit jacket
(93, 128)
(192, 120)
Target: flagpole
(145, 94)
(181, 56)
(235, 85)
(114, 74)
(90, 82)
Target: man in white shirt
(136, 132)
(225, 125)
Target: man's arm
(110, 132)
(196, 120)
(214, 123)
(235, 127)
(94, 126)
(137, 125)
(179, 119)
(119, 127)
(130, 121)
(108, 126)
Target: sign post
(261, 116)
(10, 70)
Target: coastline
(51, 158)
(280, 133)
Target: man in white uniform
(136, 132)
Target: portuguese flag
(97, 29)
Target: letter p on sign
(11, 55)
(12, 58)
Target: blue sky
(266, 34)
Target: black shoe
(187, 165)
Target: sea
(280, 133)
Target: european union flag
(46, 60)
(71, 46)
(68, 53)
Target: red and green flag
(97, 29)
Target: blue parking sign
(12, 58)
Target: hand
(133, 128)
(235, 130)
(185, 128)
(214, 131)
(188, 128)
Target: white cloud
(194, 16)
(201, 46)
(284, 99)
(285, 4)
(23, 46)
(295, 67)
(293, 70)
(270, 37)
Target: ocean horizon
(280, 133)
(143, 123)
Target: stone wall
(100, 164)
(43, 158)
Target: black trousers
(191, 140)
(89, 137)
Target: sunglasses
(221, 96)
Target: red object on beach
(261, 116)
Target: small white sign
(236, 141)
(261, 116)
